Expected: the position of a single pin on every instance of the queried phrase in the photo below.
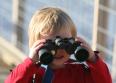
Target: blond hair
(49, 20)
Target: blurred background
(95, 20)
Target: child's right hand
(33, 53)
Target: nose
(61, 52)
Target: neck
(57, 66)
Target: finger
(34, 51)
(85, 45)
(38, 47)
(80, 39)
(38, 42)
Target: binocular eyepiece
(47, 52)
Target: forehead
(61, 33)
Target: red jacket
(72, 73)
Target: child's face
(61, 56)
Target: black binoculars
(47, 52)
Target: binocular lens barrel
(81, 54)
(45, 56)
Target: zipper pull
(34, 81)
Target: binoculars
(47, 52)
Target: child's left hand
(89, 49)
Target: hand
(88, 48)
(33, 54)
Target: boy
(47, 24)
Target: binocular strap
(48, 75)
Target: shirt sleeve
(99, 70)
(23, 71)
